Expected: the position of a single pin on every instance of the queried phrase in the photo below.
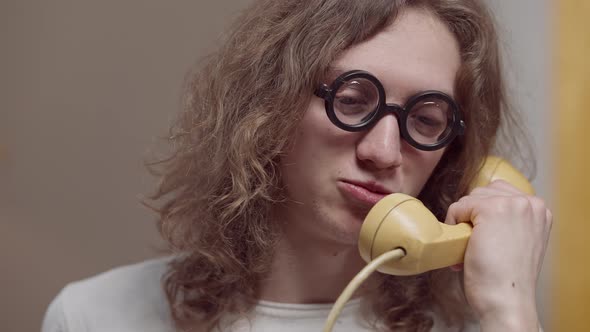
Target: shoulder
(128, 298)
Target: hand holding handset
(402, 221)
(401, 237)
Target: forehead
(416, 53)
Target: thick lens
(355, 101)
(429, 120)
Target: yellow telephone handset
(402, 221)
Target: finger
(549, 220)
(542, 217)
(548, 228)
(499, 187)
(461, 211)
(490, 191)
(541, 226)
(504, 186)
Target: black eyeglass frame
(401, 112)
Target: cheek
(306, 152)
(430, 161)
(317, 141)
(419, 166)
(318, 153)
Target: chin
(346, 230)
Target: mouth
(366, 193)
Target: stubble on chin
(341, 223)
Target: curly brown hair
(241, 107)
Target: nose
(381, 146)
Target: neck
(308, 271)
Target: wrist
(510, 308)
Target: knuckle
(549, 218)
(477, 191)
(519, 202)
(454, 205)
(549, 215)
(537, 203)
(462, 200)
(499, 183)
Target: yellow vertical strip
(571, 114)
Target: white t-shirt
(131, 298)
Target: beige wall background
(85, 89)
(86, 86)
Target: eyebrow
(334, 71)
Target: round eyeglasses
(355, 101)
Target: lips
(367, 193)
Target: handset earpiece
(495, 168)
(402, 221)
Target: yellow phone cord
(356, 282)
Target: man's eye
(429, 121)
(347, 100)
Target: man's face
(333, 177)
